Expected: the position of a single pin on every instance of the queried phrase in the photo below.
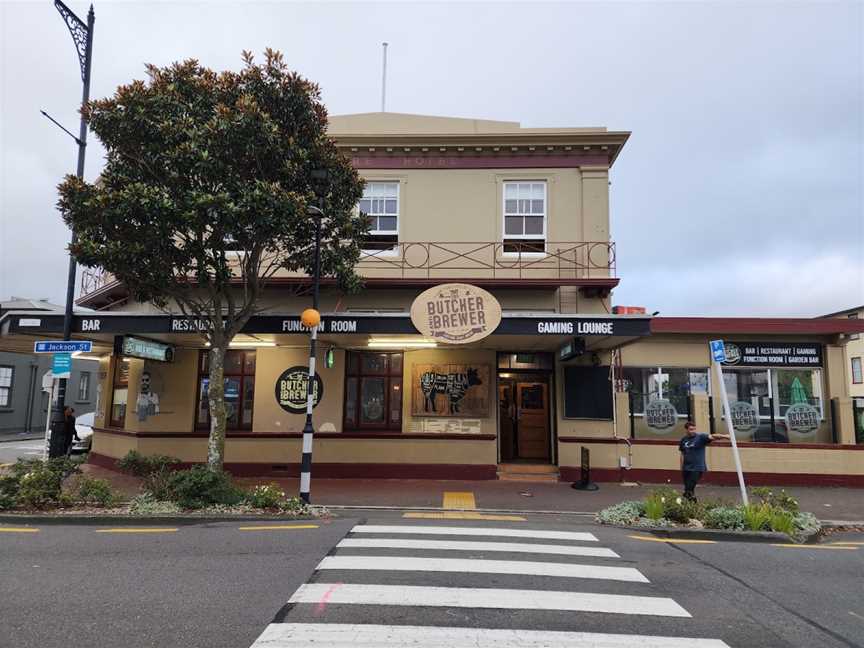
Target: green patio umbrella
(797, 393)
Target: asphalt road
(214, 585)
(10, 451)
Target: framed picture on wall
(450, 390)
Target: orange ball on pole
(310, 318)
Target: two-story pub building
(484, 343)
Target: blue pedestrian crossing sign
(67, 346)
(62, 365)
(718, 351)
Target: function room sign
(773, 354)
(455, 313)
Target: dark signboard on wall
(773, 354)
(291, 389)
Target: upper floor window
(380, 203)
(857, 374)
(854, 336)
(6, 373)
(524, 217)
(84, 386)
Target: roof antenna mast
(384, 80)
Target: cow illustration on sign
(452, 385)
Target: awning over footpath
(527, 330)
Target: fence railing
(549, 260)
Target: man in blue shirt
(692, 449)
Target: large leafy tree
(204, 196)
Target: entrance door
(532, 420)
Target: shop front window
(660, 398)
(373, 391)
(239, 382)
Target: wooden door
(532, 416)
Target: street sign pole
(718, 355)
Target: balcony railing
(491, 260)
(427, 261)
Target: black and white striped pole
(311, 318)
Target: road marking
(277, 527)
(672, 540)
(339, 635)
(504, 599)
(469, 566)
(18, 530)
(849, 544)
(475, 531)
(134, 530)
(459, 501)
(467, 545)
(453, 515)
(798, 546)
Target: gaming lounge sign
(455, 313)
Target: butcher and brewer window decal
(450, 390)
(455, 313)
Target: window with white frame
(854, 336)
(380, 204)
(524, 217)
(6, 373)
(84, 386)
(857, 374)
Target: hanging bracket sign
(455, 313)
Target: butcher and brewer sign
(456, 313)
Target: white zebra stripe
(468, 545)
(475, 531)
(325, 594)
(339, 635)
(468, 566)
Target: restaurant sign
(773, 354)
(802, 418)
(291, 389)
(661, 415)
(745, 418)
(455, 313)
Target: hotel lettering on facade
(484, 338)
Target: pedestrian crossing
(476, 586)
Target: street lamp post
(317, 213)
(82, 35)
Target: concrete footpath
(844, 504)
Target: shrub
(782, 521)
(806, 523)
(146, 504)
(139, 465)
(39, 488)
(757, 517)
(9, 486)
(624, 513)
(724, 517)
(654, 507)
(7, 502)
(294, 505)
(778, 500)
(265, 496)
(93, 491)
(158, 484)
(199, 487)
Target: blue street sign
(53, 346)
(718, 351)
(62, 365)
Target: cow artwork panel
(450, 390)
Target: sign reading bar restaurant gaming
(455, 313)
(773, 354)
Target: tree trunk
(216, 394)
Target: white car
(84, 430)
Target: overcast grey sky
(740, 192)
